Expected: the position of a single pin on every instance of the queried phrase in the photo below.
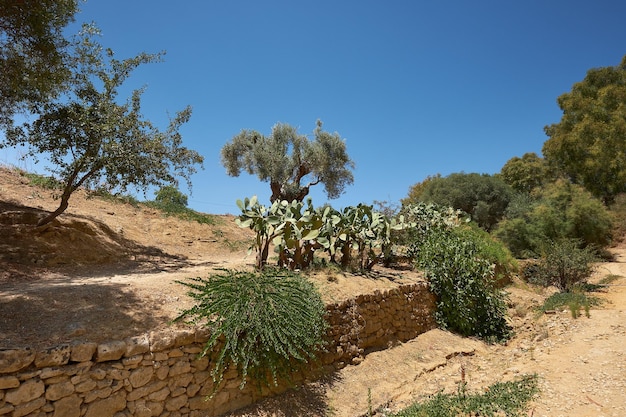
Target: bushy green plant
(266, 323)
(560, 210)
(501, 399)
(492, 250)
(484, 197)
(170, 195)
(564, 264)
(462, 280)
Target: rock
(110, 351)
(26, 392)
(13, 360)
(55, 356)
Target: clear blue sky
(415, 88)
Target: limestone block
(13, 360)
(29, 407)
(110, 351)
(141, 376)
(82, 352)
(178, 368)
(67, 407)
(58, 391)
(7, 382)
(146, 390)
(55, 356)
(107, 407)
(27, 391)
(176, 403)
(137, 345)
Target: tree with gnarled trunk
(290, 161)
(91, 139)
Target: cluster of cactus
(297, 229)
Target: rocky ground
(105, 271)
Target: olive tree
(92, 139)
(290, 162)
(32, 49)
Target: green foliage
(509, 399)
(572, 300)
(32, 54)
(589, 143)
(267, 324)
(564, 264)
(462, 279)
(492, 250)
(104, 194)
(526, 173)
(290, 162)
(484, 197)
(45, 182)
(91, 139)
(560, 210)
(171, 196)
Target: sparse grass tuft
(574, 301)
(501, 399)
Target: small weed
(500, 399)
(573, 300)
(182, 212)
(609, 279)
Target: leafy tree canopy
(91, 139)
(32, 48)
(589, 143)
(525, 173)
(484, 197)
(290, 162)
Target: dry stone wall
(161, 373)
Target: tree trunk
(65, 198)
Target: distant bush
(484, 197)
(172, 202)
(564, 264)
(267, 323)
(558, 211)
(171, 196)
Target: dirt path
(581, 364)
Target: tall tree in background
(290, 161)
(91, 139)
(32, 48)
(526, 173)
(589, 143)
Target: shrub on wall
(265, 323)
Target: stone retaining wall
(160, 373)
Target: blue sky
(415, 88)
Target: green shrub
(171, 196)
(462, 279)
(492, 250)
(560, 210)
(573, 300)
(564, 264)
(267, 323)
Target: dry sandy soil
(105, 271)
